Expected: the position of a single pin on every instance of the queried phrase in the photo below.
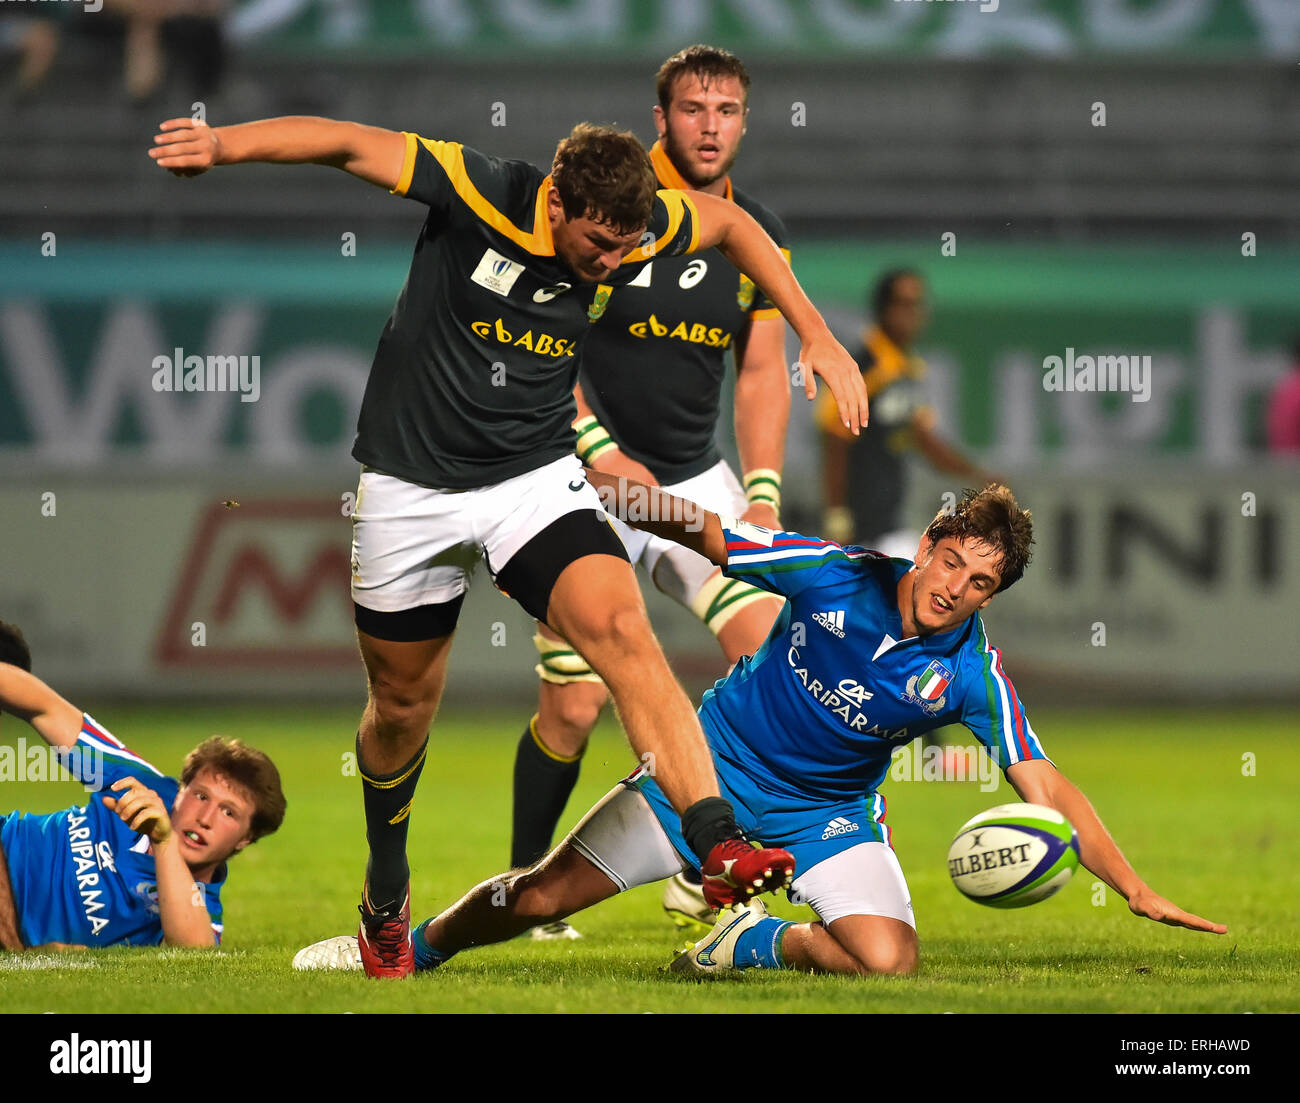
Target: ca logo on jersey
(496, 273)
(854, 691)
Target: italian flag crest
(931, 684)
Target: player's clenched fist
(141, 809)
(826, 357)
(185, 147)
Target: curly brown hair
(605, 175)
(993, 517)
(246, 767)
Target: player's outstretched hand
(1151, 905)
(826, 357)
(141, 809)
(185, 147)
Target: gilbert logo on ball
(1013, 855)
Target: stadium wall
(117, 541)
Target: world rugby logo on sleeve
(496, 273)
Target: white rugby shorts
(414, 545)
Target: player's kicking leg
(596, 605)
(555, 553)
(739, 615)
(866, 924)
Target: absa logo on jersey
(697, 333)
(541, 343)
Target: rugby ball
(1013, 855)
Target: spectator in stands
(864, 479)
(188, 33)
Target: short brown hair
(707, 63)
(605, 174)
(244, 766)
(991, 516)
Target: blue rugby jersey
(81, 875)
(819, 709)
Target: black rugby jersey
(652, 369)
(472, 382)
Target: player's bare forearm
(181, 904)
(762, 400)
(1039, 782)
(739, 238)
(652, 510)
(27, 697)
(744, 242)
(371, 153)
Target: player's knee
(571, 714)
(894, 958)
(622, 632)
(400, 707)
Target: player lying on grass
(122, 869)
(802, 734)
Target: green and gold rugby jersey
(473, 379)
(653, 367)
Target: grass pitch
(1174, 788)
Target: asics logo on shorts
(839, 826)
(832, 621)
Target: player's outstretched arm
(654, 511)
(1039, 782)
(762, 411)
(745, 243)
(186, 148)
(27, 697)
(181, 907)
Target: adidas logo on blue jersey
(832, 621)
(839, 826)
